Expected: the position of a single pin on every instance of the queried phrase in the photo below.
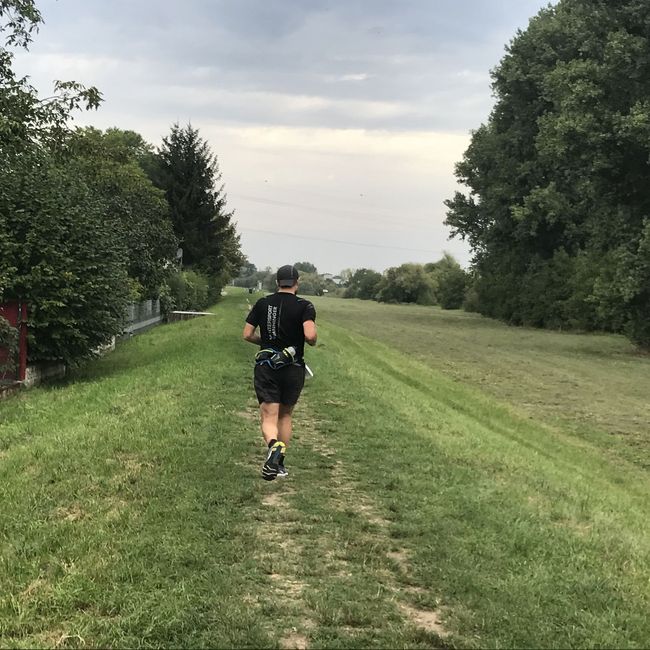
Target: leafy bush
(451, 280)
(66, 260)
(310, 284)
(72, 266)
(189, 291)
(166, 297)
(216, 283)
(363, 284)
(471, 299)
(408, 283)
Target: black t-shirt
(280, 317)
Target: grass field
(454, 483)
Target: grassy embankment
(449, 490)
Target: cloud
(333, 120)
(401, 65)
(362, 76)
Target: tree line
(91, 221)
(311, 282)
(558, 204)
(442, 283)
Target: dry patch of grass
(73, 512)
(429, 620)
(294, 641)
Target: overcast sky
(336, 123)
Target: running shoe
(282, 470)
(273, 460)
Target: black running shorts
(282, 386)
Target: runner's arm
(309, 328)
(251, 335)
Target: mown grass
(593, 386)
(530, 537)
(132, 513)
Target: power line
(340, 241)
(366, 216)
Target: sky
(336, 123)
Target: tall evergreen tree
(188, 172)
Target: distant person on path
(285, 322)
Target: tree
(311, 284)
(58, 251)
(451, 281)
(305, 267)
(363, 284)
(188, 172)
(248, 276)
(139, 211)
(559, 201)
(346, 275)
(407, 283)
(24, 118)
(70, 264)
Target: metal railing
(141, 316)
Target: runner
(285, 323)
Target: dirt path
(310, 565)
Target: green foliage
(8, 343)
(187, 171)
(451, 288)
(306, 267)
(451, 281)
(559, 198)
(248, 276)
(70, 265)
(136, 291)
(140, 214)
(471, 299)
(346, 276)
(310, 284)
(7, 269)
(24, 118)
(188, 291)
(65, 258)
(363, 284)
(408, 283)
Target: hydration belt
(275, 359)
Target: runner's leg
(269, 416)
(285, 423)
(269, 421)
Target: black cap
(287, 275)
